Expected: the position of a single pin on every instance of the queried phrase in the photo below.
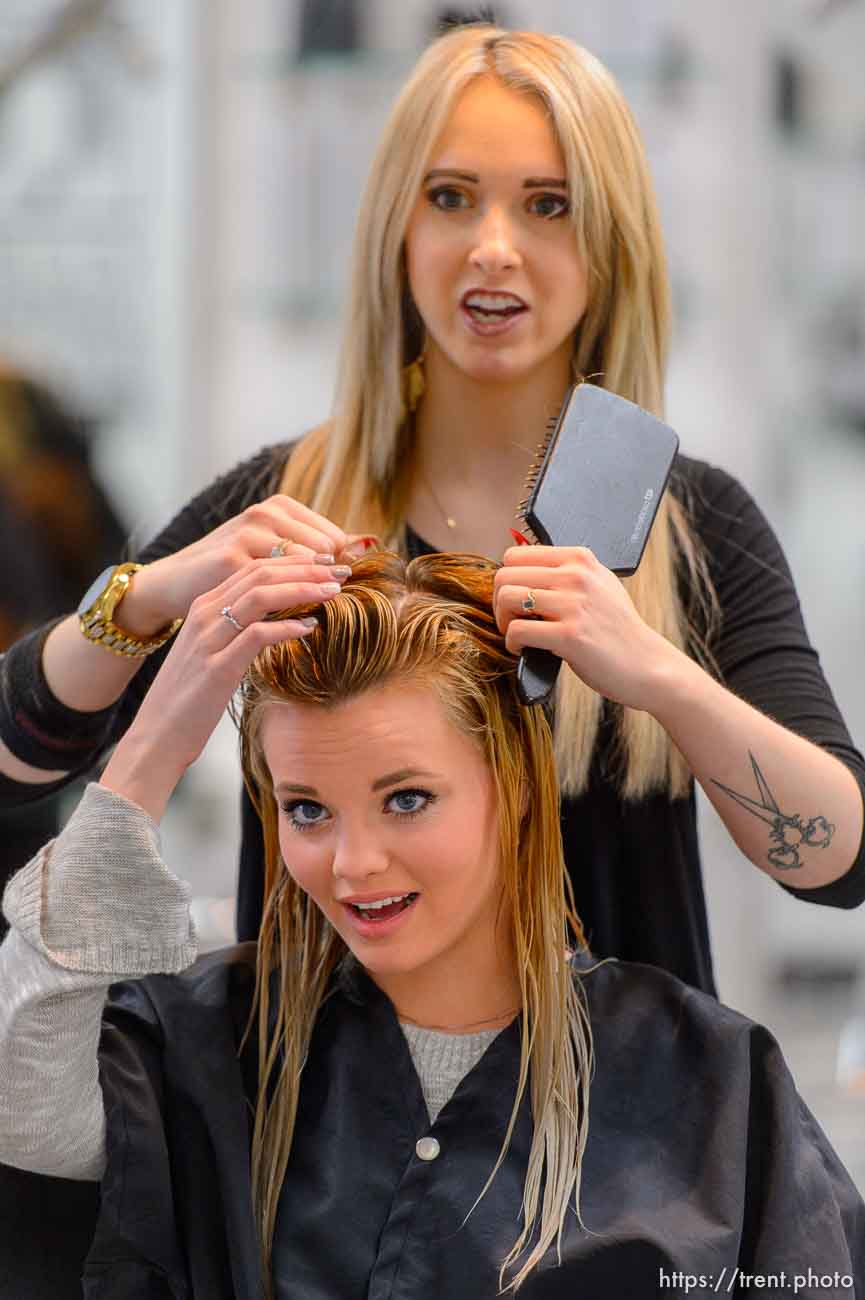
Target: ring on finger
(529, 601)
(229, 617)
(281, 547)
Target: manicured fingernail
(518, 538)
(323, 559)
(367, 542)
(308, 622)
(330, 588)
(341, 570)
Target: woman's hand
(165, 589)
(204, 667)
(584, 615)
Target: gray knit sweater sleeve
(95, 905)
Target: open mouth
(495, 313)
(493, 308)
(384, 909)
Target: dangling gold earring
(413, 385)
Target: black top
(701, 1157)
(635, 866)
(61, 529)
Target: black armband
(34, 725)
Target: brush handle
(537, 671)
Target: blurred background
(178, 187)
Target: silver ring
(280, 548)
(227, 614)
(529, 602)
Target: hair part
(428, 622)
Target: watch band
(98, 626)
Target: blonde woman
(509, 242)
(420, 1083)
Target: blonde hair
(427, 623)
(357, 469)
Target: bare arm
(793, 809)
(85, 676)
(98, 903)
(791, 806)
(88, 678)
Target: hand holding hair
(165, 589)
(224, 631)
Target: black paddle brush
(597, 481)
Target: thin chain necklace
(454, 1029)
(449, 519)
(452, 524)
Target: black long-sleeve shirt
(635, 866)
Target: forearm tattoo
(788, 831)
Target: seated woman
(419, 1082)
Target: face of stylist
(491, 253)
(382, 797)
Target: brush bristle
(525, 526)
(535, 468)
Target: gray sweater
(94, 906)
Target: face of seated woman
(383, 797)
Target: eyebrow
(392, 778)
(530, 183)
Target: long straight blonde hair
(357, 469)
(427, 623)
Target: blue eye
(301, 805)
(412, 794)
(447, 199)
(307, 823)
(549, 206)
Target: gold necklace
(454, 1029)
(449, 519)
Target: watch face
(95, 590)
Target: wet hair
(426, 623)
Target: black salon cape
(701, 1156)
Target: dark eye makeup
(290, 807)
(548, 206)
(440, 196)
(555, 205)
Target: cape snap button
(427, 1148)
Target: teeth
(493, 301)
(382, 902)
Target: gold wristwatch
(96, 615)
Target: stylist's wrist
(673, 681)
(143, 611)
